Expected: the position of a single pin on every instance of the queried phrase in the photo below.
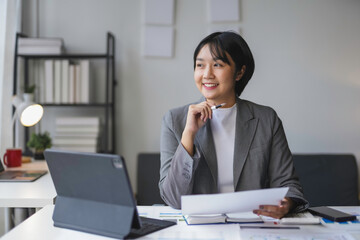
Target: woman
(223, 143)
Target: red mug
(12, 157)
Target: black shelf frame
(76, 105)
(64, 56)
(111, 83)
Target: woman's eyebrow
(214, 59)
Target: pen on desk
(217, 106)
(267, 227)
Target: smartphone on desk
(332, 214)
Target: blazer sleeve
(177, 166)
(281, 167)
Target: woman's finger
(208, 110)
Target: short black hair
(232, 43)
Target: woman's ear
(240, 73)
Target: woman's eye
(217, 65)
(199, 65)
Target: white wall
(8, 25)
(307, 66)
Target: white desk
(40, 226)
(35, 194)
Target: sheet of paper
(161, 212)
(159, 41)
(203, 232)
(224, 10)
(272, 234)
(159, 12)
(231, 202)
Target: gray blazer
(262, 158)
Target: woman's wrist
(292, 204)
(187, 140)
(189, 134)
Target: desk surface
(28, 194)
(40, 226)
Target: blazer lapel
(245, 129)
(205, 141)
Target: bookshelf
(108, 138)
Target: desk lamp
(27, 111)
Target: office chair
(328, 179)
(148, 175)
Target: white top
(223, 130)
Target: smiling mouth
(210, 85)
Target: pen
(217, 106)
(267, 227)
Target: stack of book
(77, 134)
(45, 46)
(65, 82)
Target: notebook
(94, 195)
(19, 175)
(241, 217)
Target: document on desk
(231, 202)
(296, 234)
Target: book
(61, 134)
(43, 46)
(65, 81)
(57, 81)
(77, 81)
(75, 141)
(77, 121)
(241, 217)
(49, 81)
(90, 149)
(36, 75)
(40, 42)
(41, 82)
(84, 76)
(45, 50)
(77, 129)
(71, 94)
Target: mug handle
(5, 159)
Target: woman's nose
(208, 73)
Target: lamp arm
(13, 124)
(14, 118)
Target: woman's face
(214, 78)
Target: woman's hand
(276, 211)
(197, 116)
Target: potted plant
(29, 93)
(30, 89)
(39, 142)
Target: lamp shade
(28, 112)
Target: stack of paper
(77, 134)
(45, 46)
